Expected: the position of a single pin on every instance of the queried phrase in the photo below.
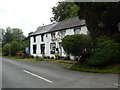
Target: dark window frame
(42, 37)
(77, 28)
(52, 50)
(34, 38)
(34, 49)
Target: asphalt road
(19, 74)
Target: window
(52, 48)
(63, 34)
(77, 30)
(34, 49)
(52, 35)
(42, 37)
(34, 37)
(42, 47)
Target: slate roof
(70, 23)
(43, 29)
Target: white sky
(25, 14)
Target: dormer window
(34, 38)
(77, 30)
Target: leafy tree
(6, 50)
(77, 45)
(14, 47)
(63, 11)
(14, 34)
(106, 51)
(101, 17)
(2, 31)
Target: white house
(47, 39)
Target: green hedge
(106, 51)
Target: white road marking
(37, 76)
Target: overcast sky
(25, 14)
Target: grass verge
(113, 69)
(18, 59)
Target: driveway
(19, 74)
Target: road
(19, 74)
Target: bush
(6, 50)
(67, 58)
(11, 48)
(57, 56)
(77, 45)
(106, 51)
(43, 56)
(52, 57)
(116, 37)
(39, 58)
(14, 47)
(48, 57)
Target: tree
(14, 34)
(2, 31)
(101, 18)
(63, 11)
(77, 45)
(106, 51)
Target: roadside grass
(113, 69)
(0, 53)
(67, 62)
(19, 59)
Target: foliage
(64, 10)
(116, 37)
(52, 57)
(13, 34)
(77, 45)
(15, 39)
(101, 18)
(14, 47)
(2, 31)
(57, 56)
(67, 58)
(38, 58)
(106, 51)
(48, 57)
(5, 50)
(114, 69)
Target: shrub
(106, 51)
(52, 57)
(67, 58)
(43, 56)
(77, 45)
(116, 37)
(57, 56)
(48, 57)
(6, 50)
(14, 47)
(38, 58)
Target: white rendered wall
(47, 41)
